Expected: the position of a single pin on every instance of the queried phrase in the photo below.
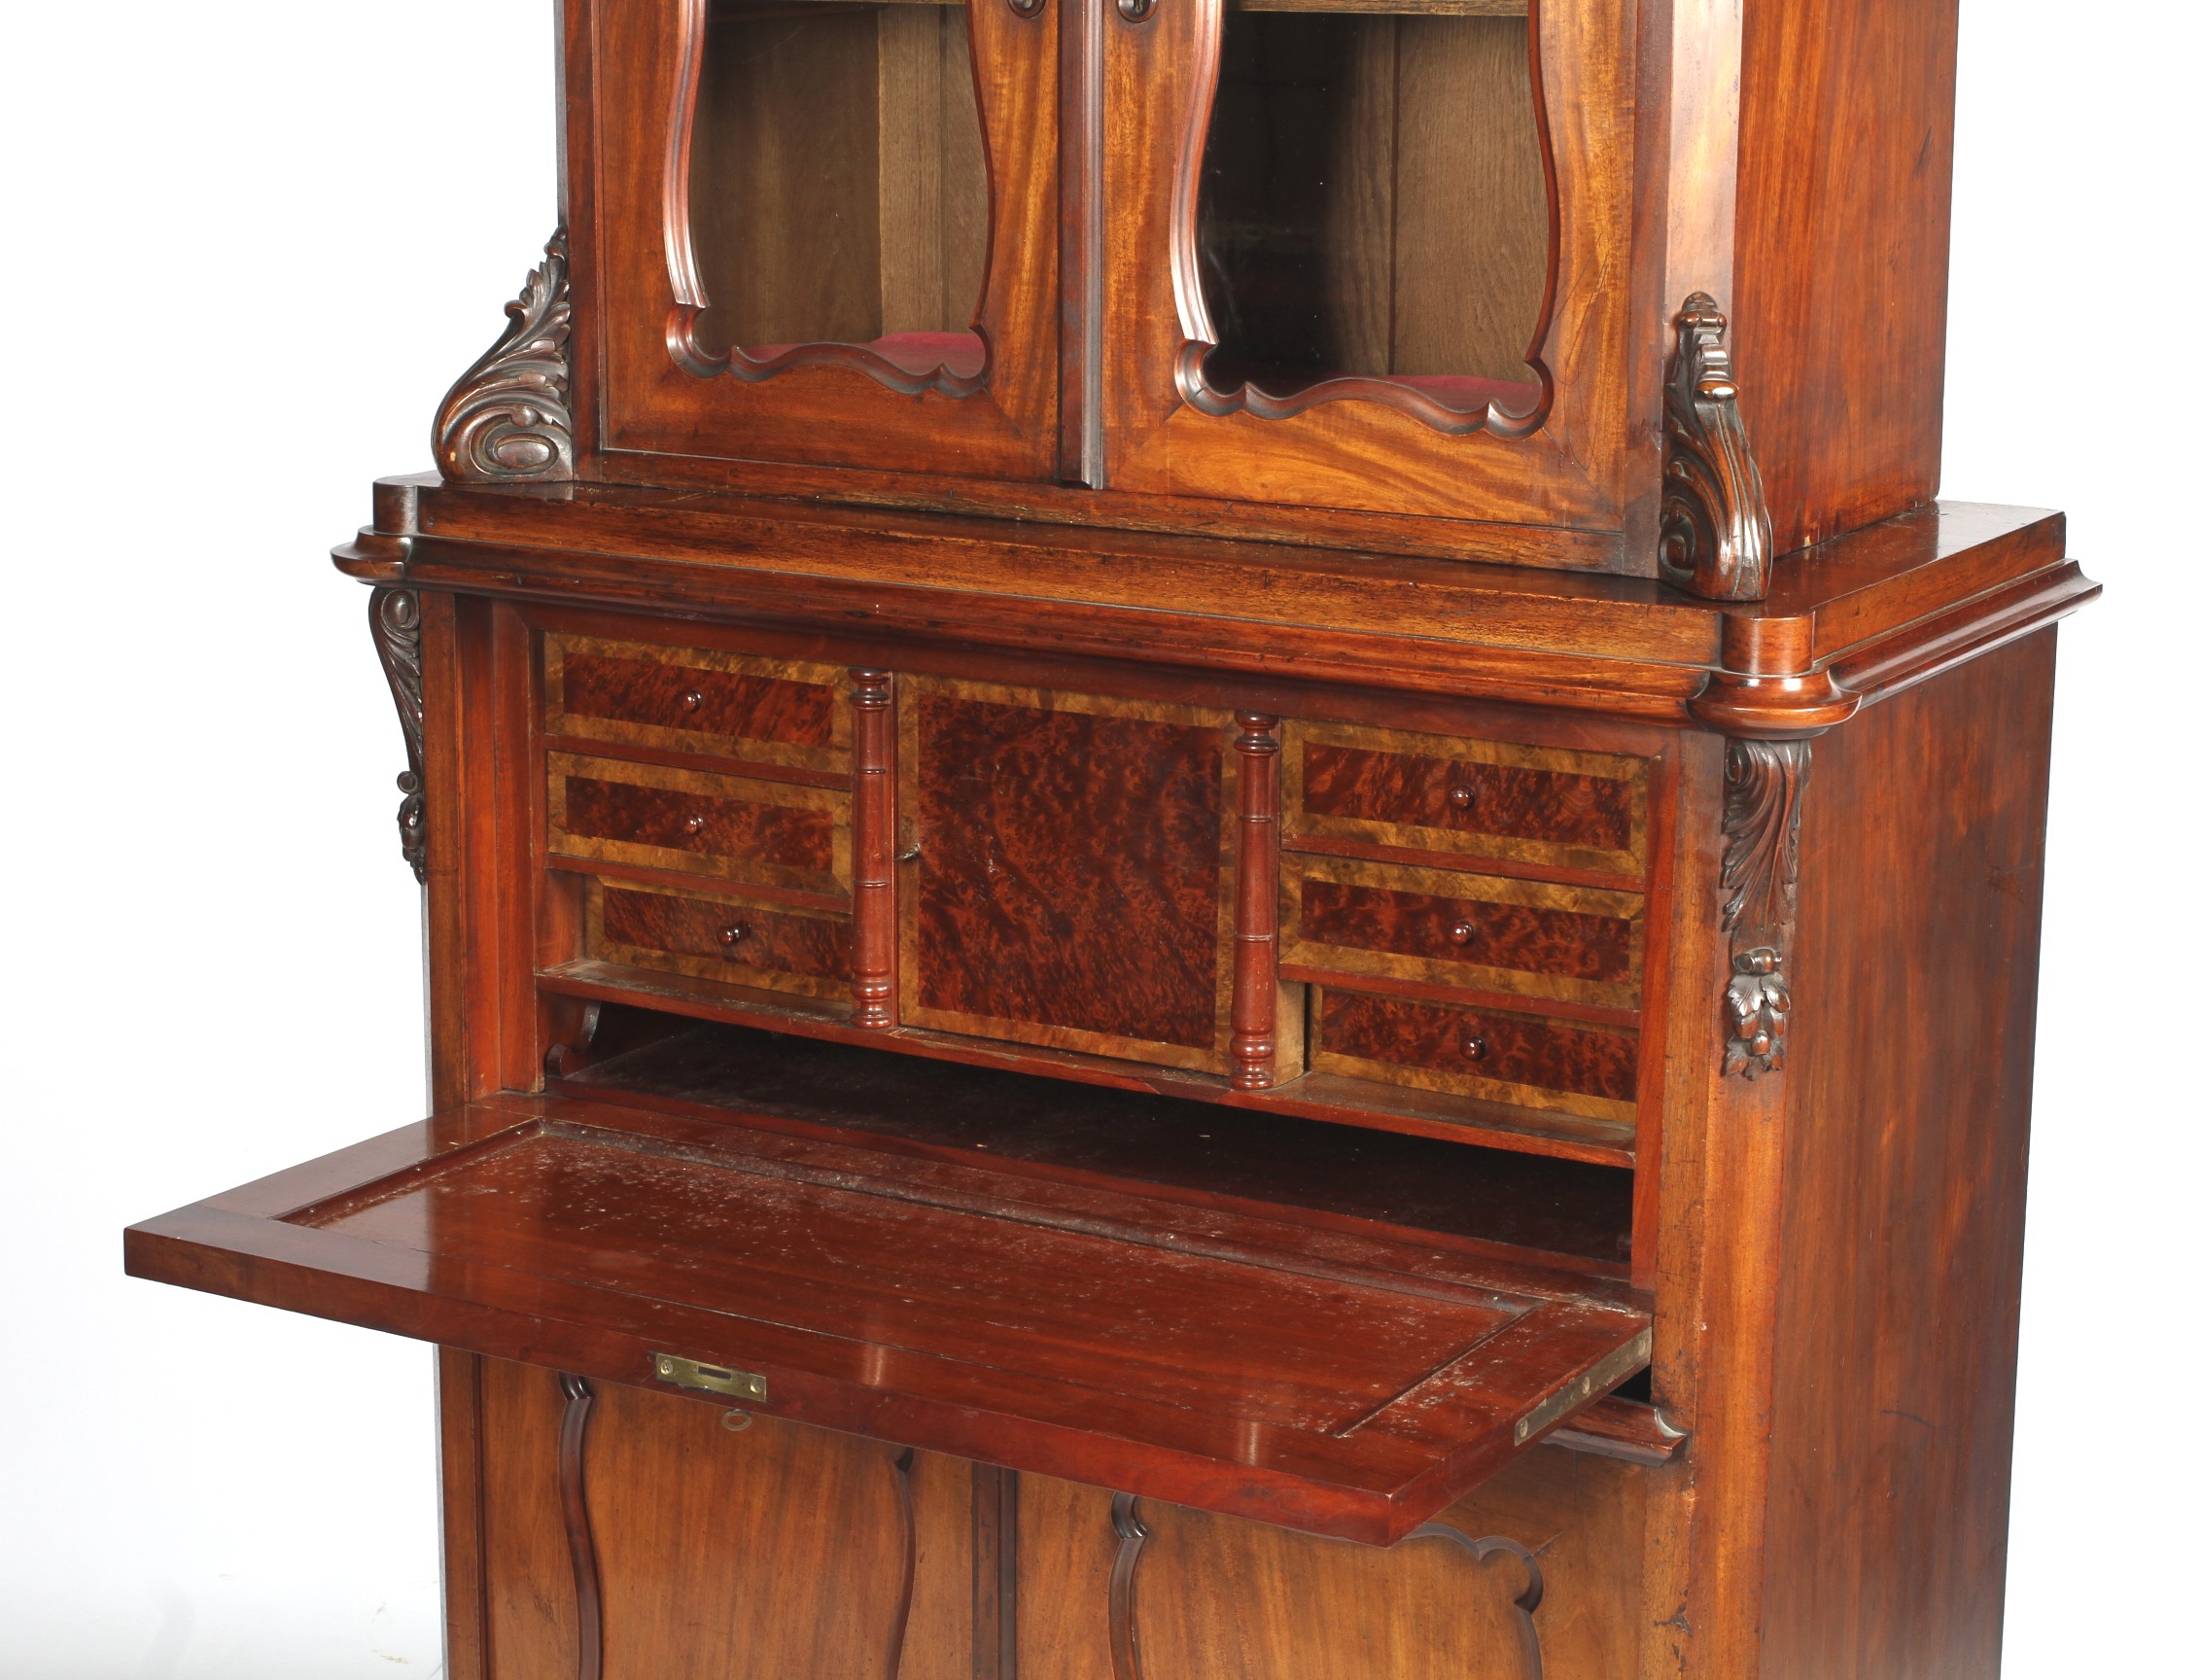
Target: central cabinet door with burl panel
(1068, 871)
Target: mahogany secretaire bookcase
(1228, 877)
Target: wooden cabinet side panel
(1911, 1084)
(1840, 318)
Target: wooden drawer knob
(1462, 796)
(692, 700)
(1476, 1049)
(1462, 932)
(732, 934)
(695, 824)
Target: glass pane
(1373, 202)
(837, 190)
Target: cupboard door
(1373, 255)
(713, 1541)
(827, 233)
(1536, 1575)
(1069, 871)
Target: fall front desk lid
(1346, 1385)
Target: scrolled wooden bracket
(394, 616)
(1123, 1581)
(1715, 530)
(581, 1538)
(1760, 824)
(507, 420)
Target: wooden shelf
(1520, 1206)
(1340, 1100)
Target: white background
(248, 246)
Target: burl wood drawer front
(1539, 805)
(697, 700)
(710, 936)
(1531, 1060)
(1582, 944)
(776, 833)
(1068, 871)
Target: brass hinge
(1618, 1366)
(710, 1379)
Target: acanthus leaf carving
(394, 616)
(1715, 532)
(1760, 824)
(507, 420)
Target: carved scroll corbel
(1764, 811)
(507, 420)
(394, 615)
(1714, 528)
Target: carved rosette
(507, 420)
(394, 615)
(1714, 528)
(1765, 809)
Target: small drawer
(1582, 944)
(1544, 805)
(708, 936)
(776, 833)
(1530, 1061)
(782, 712)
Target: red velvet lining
(963, 354)
(1466, 392)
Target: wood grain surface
(741, 941)
(1903, 1200)
(738, 827)
(1538, 805)
(1070, 882)
(696, 699)
(1491, 932)
(1534, 1061)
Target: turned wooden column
(1253, 976)
(873, 824)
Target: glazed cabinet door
(823, 233)
(1373, 255)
